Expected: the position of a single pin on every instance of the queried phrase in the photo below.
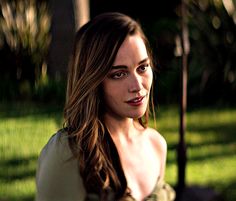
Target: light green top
(58, 179)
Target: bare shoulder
(157, 139)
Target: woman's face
(127, 86)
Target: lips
(136, 101)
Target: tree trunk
(62, 34)
(82, 12)
(182, 151)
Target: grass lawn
(211, 147)
(24, 129)
(210, 137)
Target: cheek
(111, 100)
(112, 95)
(110, 92)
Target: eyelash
(121, 74)
(145, 66)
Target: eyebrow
(125, 67)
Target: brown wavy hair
(95, 48)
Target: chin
(137, 115)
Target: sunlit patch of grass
(18, 190)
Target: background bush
(25, 39)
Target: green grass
(210, 138)
(24, 129)
(211, 147)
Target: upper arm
(57, 178)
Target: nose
(135, 83)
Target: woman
(106, 151)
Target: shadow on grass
(17, 168)
(25, 198)
(230, 191)
(21, 109)
(31, 109)
(227, 191)
(203, 157)
(223, 133)
(220, 144)
(18, 198)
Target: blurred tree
(62, 34)
(82, 12)
(24, 27)
(212, 63)
(182, 150)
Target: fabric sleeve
(57, 176)
(164, 192)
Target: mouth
(136, 101)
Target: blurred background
(36, 38)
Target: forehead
(132, 50)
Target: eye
(143, 68)
(118, 75)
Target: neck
(122, 129)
